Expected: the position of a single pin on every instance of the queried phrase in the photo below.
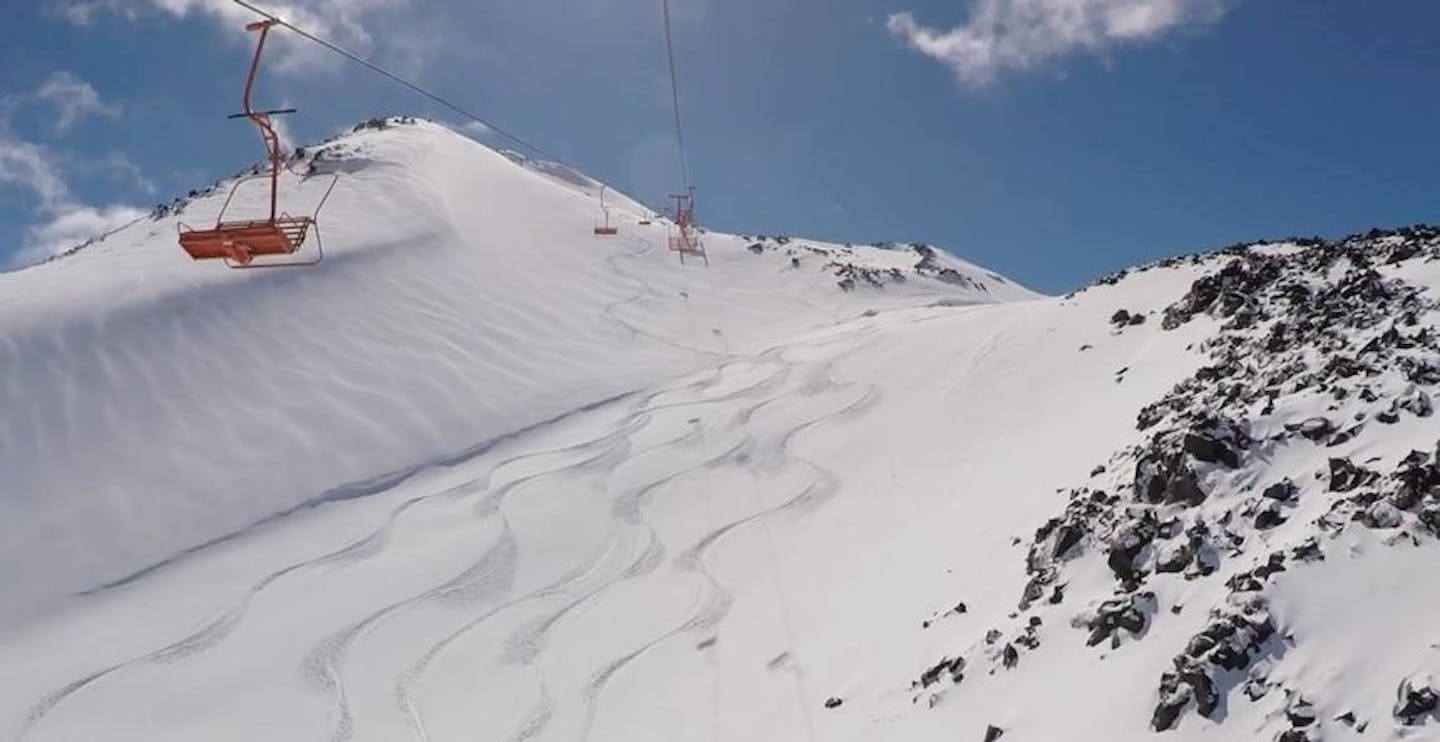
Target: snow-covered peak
(154, 404)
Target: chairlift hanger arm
(273, 19)
(264, 28)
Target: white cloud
(1015, 35)
(344, 22)
(28, 167)
(83, 12)
(70, 226)
(70, 99)
(123, 170)
(74, 100)
(62, 222)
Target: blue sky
(1048, 144)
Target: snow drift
(152, 404)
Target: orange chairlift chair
(607, 229)
(238, 243)
(685, 236)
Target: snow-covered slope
(569, 489)
(152, 404)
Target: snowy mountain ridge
(464, 298)
(1303, 441)
(482, 474)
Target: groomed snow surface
(481, 475)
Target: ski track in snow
(476, 582)
(716, 605)
(526, 646)
(632, 550)
(215, 631)
(647, 290)
(368, 546)
(627, 511)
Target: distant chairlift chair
(607, 229)
(685, 236)
(238, 243)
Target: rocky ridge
(1314, 344)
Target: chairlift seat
(687, 244)
(242, 242)
(239, 242)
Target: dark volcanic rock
(1174, 697)
(1124, 318)
(1283, 491)
(1300, 712)
(1121, 612)
(1175, 558)
(1130, 538)
(1316, 428)
(1311, 341)
(1210, 450)
(1345, 476)
(953, 667)
(1203, 688)
(1185, 489)
(1066, 537)
(1268, 517)
(1430, 516)
(1414, 699)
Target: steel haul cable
(469, 114)
(412, 86)
(675, 95)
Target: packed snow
(483, 475)
(154, 405)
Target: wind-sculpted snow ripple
(369, 546)
(733, 396)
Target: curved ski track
(485, 588)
